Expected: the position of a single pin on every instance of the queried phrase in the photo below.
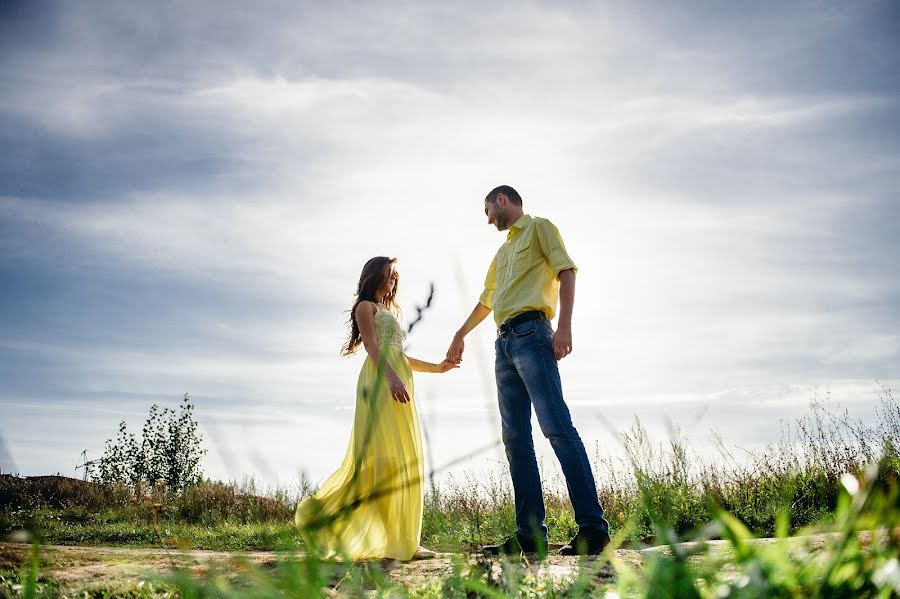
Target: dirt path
(79, 567)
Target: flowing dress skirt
(371, 507)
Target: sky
(188, 192)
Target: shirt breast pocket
(522, 258)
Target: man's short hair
(506, 190)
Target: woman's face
(391, 275)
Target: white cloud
(877, 347)
(702, 205)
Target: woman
(372, 506)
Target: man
(530, 271)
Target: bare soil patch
(74, 567)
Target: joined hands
(446, 365)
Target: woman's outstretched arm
(423, 366)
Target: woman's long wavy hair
(374, 276)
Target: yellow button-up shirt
(524, 274)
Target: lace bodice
(388, 330)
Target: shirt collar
(519, 225)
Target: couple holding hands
(371, 507)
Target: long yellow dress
(372, 506)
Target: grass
(212, 515)
(859, 559)
(669, 485)
(818, 477)
(654, 485)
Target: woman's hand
(446, 365)
(398, 389)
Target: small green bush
(168, 453)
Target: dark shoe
(588, 541)
(514, 546)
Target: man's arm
(479, 313)
(558, 258)
(562, 338)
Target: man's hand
(562, 342)
(398, 389)
(454, 354)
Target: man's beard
(503, 221)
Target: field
(813, 515)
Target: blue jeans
(527, 374)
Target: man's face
(496, 214)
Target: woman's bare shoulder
(366, 307)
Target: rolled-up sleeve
(490, 281)
(553, 247)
